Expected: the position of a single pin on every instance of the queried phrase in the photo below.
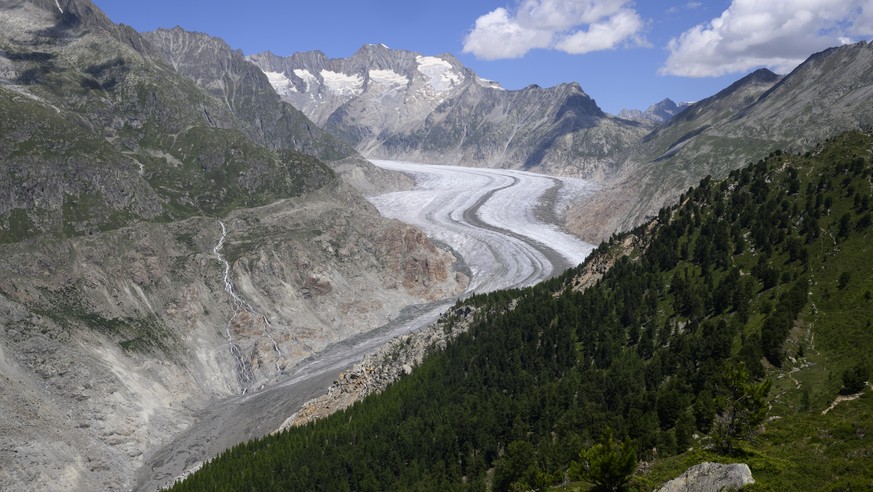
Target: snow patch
(439, 72)
(388, 79)
(307, 77)
(489, 83)
(280, 82)
(342, 84)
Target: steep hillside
(396, 104)
(828, 94)
(165, 244)
(226, 74)
(245, 90)
(726, 329)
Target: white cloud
(573, 26)
(603, 36)
(761, 33)
(497, 35)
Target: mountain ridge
(824, 96)
(397, 104)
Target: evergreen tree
(609, 464)
(743, 405)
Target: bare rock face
(711, 477)
(110, 343)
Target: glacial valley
(503, 228)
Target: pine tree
(609, 464)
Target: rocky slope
(396, 104)
(225, 73)
(828, 94)
(164, 242)
(377, 370)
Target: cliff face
(164, 241)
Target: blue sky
(624, 54)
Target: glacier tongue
(493, 218)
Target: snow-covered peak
(307, 77)
(440, 73)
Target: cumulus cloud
(573, 26)
(761, 33)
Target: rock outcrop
(711, 477)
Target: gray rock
(711, 477)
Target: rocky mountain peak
(76, 14)
(760, 77)
(656, 114)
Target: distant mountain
(830, 93)
(655, 114)
(397, 104)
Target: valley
(199, 246)
(503, 228)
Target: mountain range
(396, 104)
(826, 95)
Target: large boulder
(711, 477)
